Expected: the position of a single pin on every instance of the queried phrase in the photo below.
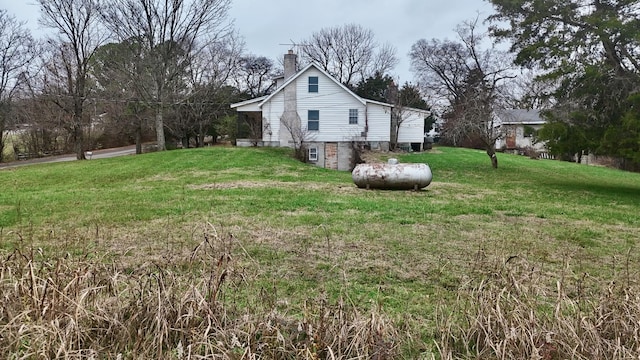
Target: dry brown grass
(306, 185)
(511, 309)
(188, 308)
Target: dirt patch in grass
(274, 236)
(477, 195)
(447, 192)
(287, 171)
(202, 173)
(441, 187)
(240, 172)
(160, 177)
(231, 185)
(275, 184)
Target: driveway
(95, 154)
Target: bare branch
(349, 53)
(168, 34)
(80, 35)
(469, 80)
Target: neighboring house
(519, 127)
(411, 133)
(312, 107)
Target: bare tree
(299, 135)
(79, 35)
(255, 75)
(17, 51)
(169, 33)
(42, 125)
(469, 80)
(384, 61)
(254, 78)
(209, 96)
(349, 53)
(44, 134)
(116, 92)
(530, 90)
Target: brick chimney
(290, 62)
(391, 95)
(290, 119)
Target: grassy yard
(406, 274)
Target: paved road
(96, 154)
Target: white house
(519, 127)
(311, 106)
(411, 130)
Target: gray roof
(266, 98)
(520, 116)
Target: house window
(313, 84)
(313, 117)
(353, 116)
(528, 131)
(313, 154)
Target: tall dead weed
(512, 310)
(203, 307)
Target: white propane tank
(392, 176)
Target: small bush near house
(531, 152)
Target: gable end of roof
(301, 72)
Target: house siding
(515, 133)
(333, 103)
(379, 119)
(271, 113)
(411, 130)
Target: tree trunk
(394, 131)
(200, 136)
(3, 139)
(78, 143)
(78, 134)
(138, 139)
(2, 143)
(160, 129)
(492, 155)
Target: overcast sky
(266, 24)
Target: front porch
(250, 130)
